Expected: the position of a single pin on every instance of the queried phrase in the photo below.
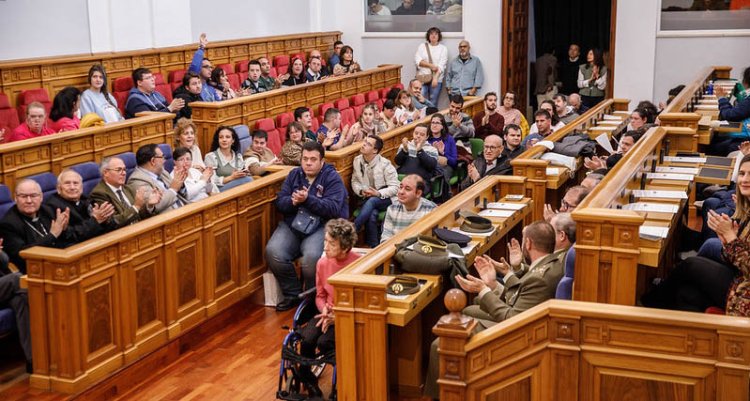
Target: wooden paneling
(105, 303)
(54, 73)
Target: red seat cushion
(300, 55)
(274, 140)
(358, 99)
(715, 310)
(228, 68)
(234, 81)
(241, 66)
(341, 104)
(322, 109)
(372, 96)
(399, 85)
(8, 116)
(123, 84)
(384, 93)
(273, 72)
(283, 119)
(315, 125)
(347, 117)
(280, 62)
(176, 76)
(358, 110)
(29, 96)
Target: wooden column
(535, 172)
(453, 330)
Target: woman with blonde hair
(184, 136)
(368, 124)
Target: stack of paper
(678, 170)
(651, 207)
(506, 205)
(553, 171)
(653, 233)
(682, 159)
(496, 213)
(659, 194)
(670, 176)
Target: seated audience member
(130, 206)
(574, 100)
(265, 74)
(573, 197)
(604, 164)
(417, 98)
(346, 64)
(375, 182)
(62, 115)
(512, 137)
(291, 152)
(417, 156)
(698, 282)
(150, 174)
(510, 114)
(318, 333)
(464, 75)
(375, 8)
(254, 84)
(409, 207)
(201, 65)
(367, 124)
(144, 97)
(522, 289)
(86, 219)
(314, 71)
(437, 7)
(408, 7)
(460, 124)
(406, 112)
(30, 223)
(555, 123)
(489, 121)
(258, 156)
(198, 184)
(565, 234)
(295, 74)
(34, 126)
(311, 195)
(492, 162)
(335, 56)
(189, 91)
(388, 115)
(444, 143)
(184, 135)
(592, 180)
(542, 126)
(330, 132)
(97, 99)
(651, 111)
(14, 297)
(226, 160)
(638, 119)
(220, 83)
(303, 116)
(565, 113)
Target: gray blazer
(141, 177)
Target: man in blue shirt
(201, 65)
(464, 76)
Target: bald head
(28, 197)
(493, 148)
(70, 185)
(575, 101)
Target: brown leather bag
(425, 78)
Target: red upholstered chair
(162, 87)
(234, 81)
(241, 66)
(300, 55)
(315, 125)
(341, 104)
(282, 120)
(8, 116)
(347, 117)
(372, 96)
(281, 62)
(274, 73)
(399, 85)
(175, 79)
(26, 97)
(274, 138)
(715, 310)
(322, 109)
(384, 93)
(357, 103)
(120, 88)
(228, 68)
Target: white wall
(233, 19)
(635, 49)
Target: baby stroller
(294, 379)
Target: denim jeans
(284, 247)
(235, 183)
(711, 249)
(432, 94)
(368, 217)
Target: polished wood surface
(54, 73)
(546, 188)
(103, 304)
(208, 116)
(53, 153)
(366, 319)
(579, 351)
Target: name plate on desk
(659, 194)
(669, 176)
(677, 170)
(651, 207)
(685, 159)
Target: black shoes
(287, 303)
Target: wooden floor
(241, 362)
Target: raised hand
(154, 197)
(179, 179)
(60, 223)
(515, 255)
(470, 284)
(549, 212)
(745, 148)
(473, 173)
(486, 270)
(203, 40)
(176, 105)
(208, 172)
(102, 212)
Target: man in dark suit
(29, 223)
(492, 162)
(151, 175)
(129, 206)
(86, 220)
(14, 297)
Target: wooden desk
(366, 320)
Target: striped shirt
(398, 218)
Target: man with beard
(488, 121)
(189, 92)
(465, 75)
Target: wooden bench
(54, 73)
(100, 306)
(573, 351)
(379, 338)
(550, 188)
(208, 116)
(53, 153)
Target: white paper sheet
(553, 171)
(678, 170)
(487, 234)
(651, 207)
(611, 117)
(496, 213)
(653, 232)
(670, 176)
(506, 205)
(682, 159)
(659, 194)
(603, 141)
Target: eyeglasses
(462, 46)
(490, 147)
(29, 196)
(566, 206)
(117, 170)
(159, 157)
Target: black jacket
(18, 234)
(81, 225)
(184, 94)
(502, 167)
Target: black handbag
(305, 221)
(428, 255)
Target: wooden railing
(54, 73)
(580, 351)
(53, 153)
(101, 305)
(379, 339)
(208, 116)
(681, 111)
(544, 188)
